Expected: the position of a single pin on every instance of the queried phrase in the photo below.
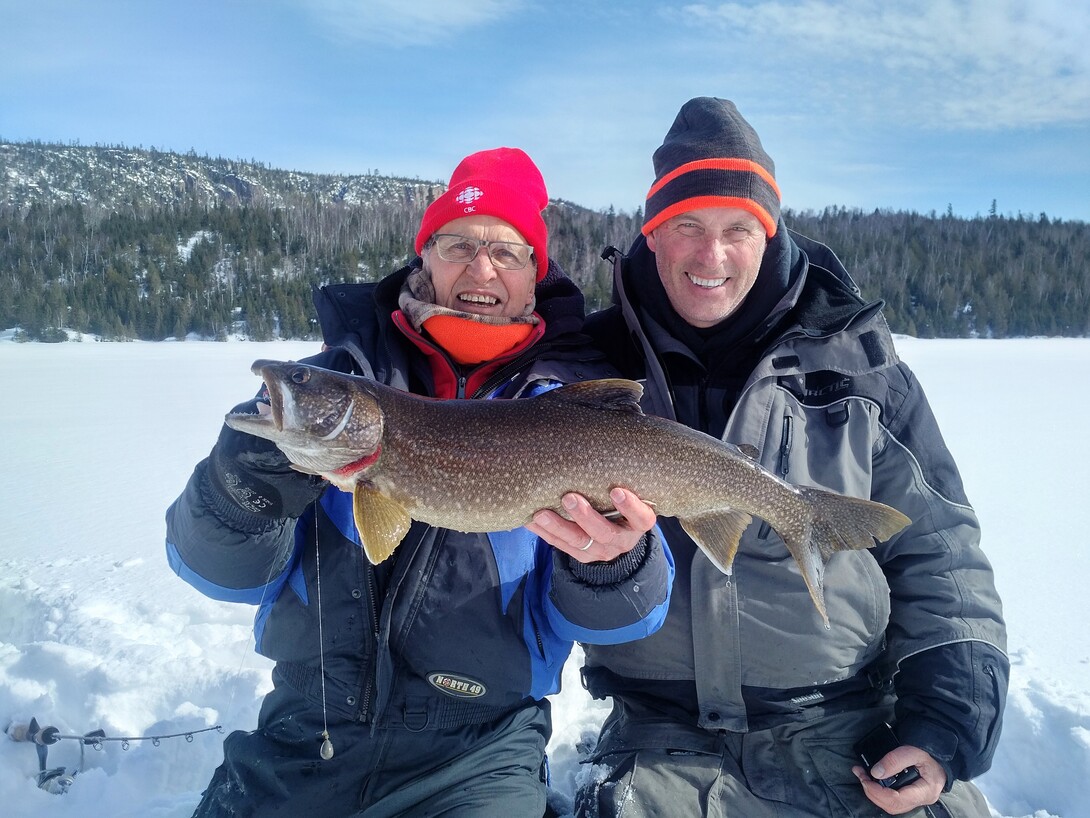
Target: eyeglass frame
(486, 244)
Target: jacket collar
(359, 315)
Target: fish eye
(300, 375)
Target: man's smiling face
(708, 260)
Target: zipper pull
(785, 447)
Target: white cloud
(406, 22)
(945, 63)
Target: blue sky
(916, 105)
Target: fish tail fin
(717, 534)
(843, 523)
(839, 523)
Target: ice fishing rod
(57, 780)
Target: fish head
(325, 422)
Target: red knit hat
(501, 182)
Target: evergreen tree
(142, 268)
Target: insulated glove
(256, 476)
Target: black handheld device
(873, 746)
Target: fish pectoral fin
(717, 534)
(381, 521)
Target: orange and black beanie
(712, 157)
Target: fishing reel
(55, 780)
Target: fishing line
(57, 780)
(326, 751)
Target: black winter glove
(255, 476)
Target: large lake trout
(489, 465)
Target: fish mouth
(275, 393)
(327, 420)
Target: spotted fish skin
(475, 465)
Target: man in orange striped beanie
(748, 702)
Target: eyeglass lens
(508, 255)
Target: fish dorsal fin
(616, 394)
(750, 451)
(381, 522)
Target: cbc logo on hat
(469, 195)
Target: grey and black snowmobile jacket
(455, 628)
(817, 389)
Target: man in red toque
(436, 662)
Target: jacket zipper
(783, 466)
(506, 371)
(372, 610)
(500, 376)
(537, 638)
(392, 590)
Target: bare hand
(590, 537)
(923, 791)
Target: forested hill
(127, 243)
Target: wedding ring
(586, 547)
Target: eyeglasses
(507, 255)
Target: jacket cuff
(950, 703)
(612, 572)
(934, 739)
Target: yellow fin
(382, 522)
(717, 534)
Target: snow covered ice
(96, 632)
